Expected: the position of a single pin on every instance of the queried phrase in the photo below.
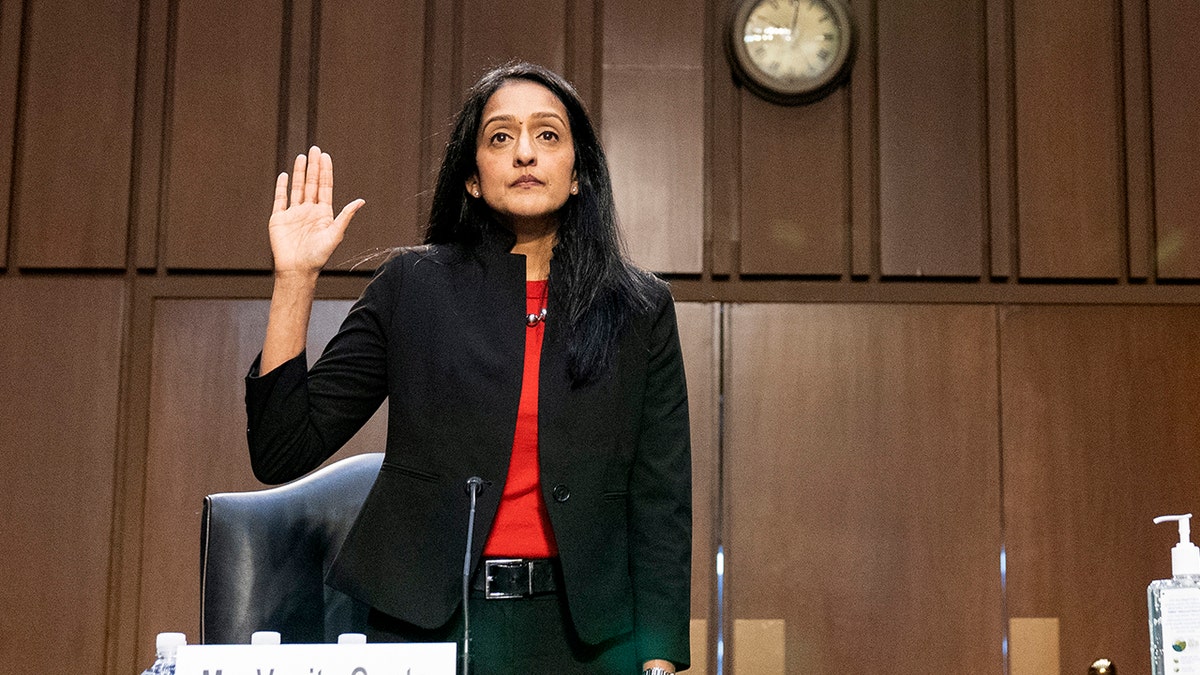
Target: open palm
(305, 233)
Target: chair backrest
(264, 555)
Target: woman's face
(524, 155)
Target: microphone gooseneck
(474, 487)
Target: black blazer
(441, 336)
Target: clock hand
(795, 16)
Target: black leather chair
(264, 555)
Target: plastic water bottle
(165, 647)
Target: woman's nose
(524, 154)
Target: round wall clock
(790, 51)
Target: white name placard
(438, 658)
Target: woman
(518, 345)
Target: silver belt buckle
(506, 563)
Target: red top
(522, 527)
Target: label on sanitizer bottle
(1181, 630)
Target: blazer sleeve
(661, 503)
(297, 417)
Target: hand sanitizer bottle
(1175, 608)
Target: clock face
(792, 48)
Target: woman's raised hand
(305, 233)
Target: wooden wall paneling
(1070, 183)
(1175, 88)
(222, 135)
(1033, 646)
(61, 356)
(10, 55)
(1099, 437)
(795, 174)
(759, 646)
(932, 135)
(724, 629)
(1139, 201)
(1002, 189)
(653, 111)
(862, 471)
(146, 198)
(129, 477)
(197, 441)
(440, 96)
(299, 51)
(74, 145)
(583, 66)
(722, 149)
(697, 335)
(864, 144)
(369, 118)
(666, 36)
(497, 31)
(300, 91)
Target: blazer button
(561, 493)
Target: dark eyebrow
(513, 118)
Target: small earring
(476, 193)
(574, 189)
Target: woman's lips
(526, 181)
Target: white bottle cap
(265, 637)
(1185, 556)
(352, 639)
(167, 644)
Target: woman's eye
(500, 137)
(548, 135)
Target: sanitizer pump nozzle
(1185, 556)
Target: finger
(325, 186)
(298, 179)
(280, 193)
(313, 175)
(343, 219)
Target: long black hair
(599, 289)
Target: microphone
(475, 486)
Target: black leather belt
(509, 578)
